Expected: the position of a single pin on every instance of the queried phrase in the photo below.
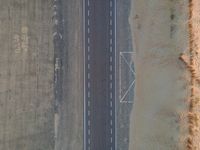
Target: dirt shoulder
(159, 36)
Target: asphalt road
(99, 74)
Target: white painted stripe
(88, 113)
(111, 112)
(88, 103)
(88, 48)
(88, 57)
(88, 2)
(88, 66)
(111, 4)
(111, 68)
(88, 12)
(110, 95)
(111, 13)
(88, 122)
(88, 30)
(111, 22)
(111, 41)
(88, 40)
(88, 75)
(88, 22)
(110, 31)
(111, 49)
(110, 58)
(110, 103)
(88, 84)
(88, 94)
(111, 85)
(111, 122)
(110, 76)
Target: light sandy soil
(159, 32)
(26, 75)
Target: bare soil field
(26, 75)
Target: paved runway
(99, 74)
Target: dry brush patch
(192, 61)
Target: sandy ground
(159, 33)
(26, 75)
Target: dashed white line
(111, 4)
(111, 49)
(111, 104)
(110, 112)
(110, 32)
(88, 12)
(88, 66)
(110, 76)
(110, 95)
(88, 113)
(111, 13)
(111, 85)
(88, 94)
(88, 75)
(88, 84)
(111, 68)
(110, 58)
(111, 22)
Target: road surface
(99, 74)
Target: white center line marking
(111, 32)
(88, 48)
(88, 94)
(110, 95)
(111, 49)
(110, 58)
(111, 41)
(88, 84)
(88, 66)
(111, 22)
(111, 68)
(111, 85)
(110, 3)
(88, 12)
(110, 76)
(111, 104)
(88, 2)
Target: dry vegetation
(191, 60)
